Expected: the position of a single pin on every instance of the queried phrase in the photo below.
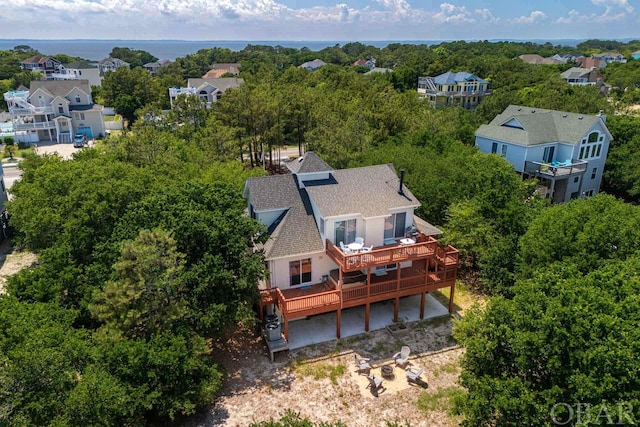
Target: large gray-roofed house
(565, 151)
(60, 87)
(343, 238)
(533, 126)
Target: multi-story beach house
(54, 111)
(454, 89)
(207, 90)
(111, 64)
(344, 238)
(79, 70)
(566, 152)
(42, 64)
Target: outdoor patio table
(407, 241)
(355, 246)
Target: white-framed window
(395, 225)
(78, 99)
(300, 272)
(594, 173)
(494, 147)
(591, 147)
(504, 147)
(548, 154)
(345, 231)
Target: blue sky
(319, 19)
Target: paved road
(11, 174)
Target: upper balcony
(555, 169)
(421, 247)
(63, 76)
(457, 94)
(175, 91)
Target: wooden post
(286, 328)
(338, 323)
(453, 287)
(367, 307)
(396, 304)
(423, 297)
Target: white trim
(296, 255)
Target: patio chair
(359, 240)
(344, 249)
(362, 364)
(402, 357)
(413, 374)
(366, 249)
(375, 384)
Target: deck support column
(423, 297)
(367, 307)
(396, 304)
(286, 328)
(338, 315)
(453, 288)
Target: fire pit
(387, 372)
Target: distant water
(172, 49)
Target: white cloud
(453, 14)
(534, 17)
(614, 11)
(487, 15)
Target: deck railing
(548, 169)
(307, 302)
(424, 247)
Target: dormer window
(78, 99)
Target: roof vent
(519, 109)
(564, 115)
(533, 111)
(300, 159)
(580, 118)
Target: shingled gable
(539, 126)
(309, 163)
(60, 87)
(295, 231)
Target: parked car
(79, 140)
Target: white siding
(321, 264)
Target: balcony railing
(424, 247)
(548, 170)
(456, 94)
(31, 110)
(175, 91)
(34, 126)
(61, 76)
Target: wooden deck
(355, 282)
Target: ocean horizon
(97, 49)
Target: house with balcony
(207, 90)
(577, 76)
(154, 67)
(566, 152)
(42, 64)
(111, 64)
(344, 238)
(79, 70)
(610, 57)
(460, 89)
(54, 111)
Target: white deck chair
(359, 240)
(402, 357)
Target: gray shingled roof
(221, 83)
(450, 78)
(308, 163)
(540, 126)
(60, 87)
(575, 73)
(316, 63)
(425, 227)
(297, 232)
(370, 191)
(80, 65)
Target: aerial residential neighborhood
(306, 234)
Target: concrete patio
(322, 327)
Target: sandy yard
(321, 381)
(12, 261)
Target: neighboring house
(454, 89)
(565, 151)
(55, 111)
(153, 67)
(636, 54)
(376, 70)
(313, 65)
(582, 76)
(208, 90)
(42, 64)
(536, 59)
(567, 57)
(79, 70)
(219, 70)
(590, 63)
(369, 63)
(314, 211)
(609, 57)
(111, 64)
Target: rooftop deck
(549, 170)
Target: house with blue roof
(460, 89)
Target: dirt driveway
(12, 261)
